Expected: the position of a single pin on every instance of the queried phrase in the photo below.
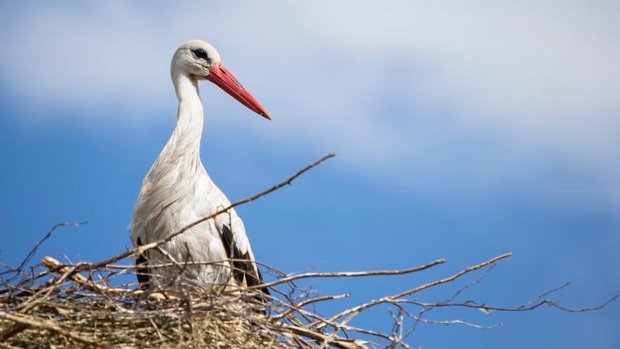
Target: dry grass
(53, 305)
(56, 304)
(74, 318)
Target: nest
(55, 305)
(99, 305)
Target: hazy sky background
(463, 130)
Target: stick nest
(54, 305)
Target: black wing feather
(142, 271)
(243, 265)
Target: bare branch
(394, 298)
(34, 249)
(457, 322)
(348, 274)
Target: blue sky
(463, 130)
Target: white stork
(178, 191)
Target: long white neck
(184, 143)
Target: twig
(425, 310)
(392, 298)
(47, 236)
(322, 299)
(347, 274)
(57, 267)
(457, 322)
(317, 336)
(520, 308)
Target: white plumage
(178, 191)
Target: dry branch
(348, 274)
(399, 296)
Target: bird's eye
(200, 53)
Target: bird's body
(178, 191)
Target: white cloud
(485, 88)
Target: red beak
(227, 82)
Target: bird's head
(200, 60)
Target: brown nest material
(73, 305)
(55, 306)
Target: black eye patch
(200, 53)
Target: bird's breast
(170, 201)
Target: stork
(178, 191)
